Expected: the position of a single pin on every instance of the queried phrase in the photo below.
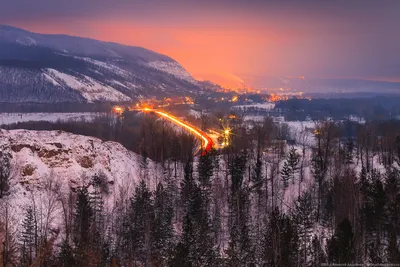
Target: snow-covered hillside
(48, 164)
(58, 68)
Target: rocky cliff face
(46, 166)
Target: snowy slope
(58, 68)
(50, 164)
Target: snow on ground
(195, 113)
(47, 165)
(110, 67)
(253, 118)
(26, 41)
(119, 83)
(90, 89)
(9, 118)
(260, 106)
(356, 119)
(172, 68)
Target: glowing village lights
(119, 110)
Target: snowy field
(9, 118)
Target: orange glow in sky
(228, 42)
(215, 54)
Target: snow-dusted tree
(196, 247)
(304, 218)
(9, 240)
(28, 238)
(100, 187)
(5, 168)
(162, 228)
(240, 250)
(290, 167)
(83, 222)
(280, 241)
(137, 227)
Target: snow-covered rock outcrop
(47, 165)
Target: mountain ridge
(61, 68)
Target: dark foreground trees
(254, 203)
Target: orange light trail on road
(206, 140)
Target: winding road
(207, 142)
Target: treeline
(373, 108)
(144, 134)
(55, 107)
(257, 202)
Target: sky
(234, 41)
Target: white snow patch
(50, 79)
(258, 106)
(195, 113)
(90, 89)
(110, 67)
(172, 68)
(27, 41)
(118, 83)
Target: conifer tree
(197, 240)
(290, 167)
(66, 256)
(137, 226)
(341, 245)
(83, 221)
(240, 250)
(162, 228)
(96, 201)
(28, 237)
(5, 167)
(304, 218)
(280, 241)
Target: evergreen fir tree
(240, 250)
(97, 203)
(162, 227)
(66, 256)
(83, 221)
(392, 186)
(290, 167)
(317, 254)
(341, 245)
(137, 226)
(374, 215)
(28, 237)
(280, 242)
(349, 148)
(304, 218)
(5, 167)
(197, 235)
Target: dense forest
(333, 197)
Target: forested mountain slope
(60, 68)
